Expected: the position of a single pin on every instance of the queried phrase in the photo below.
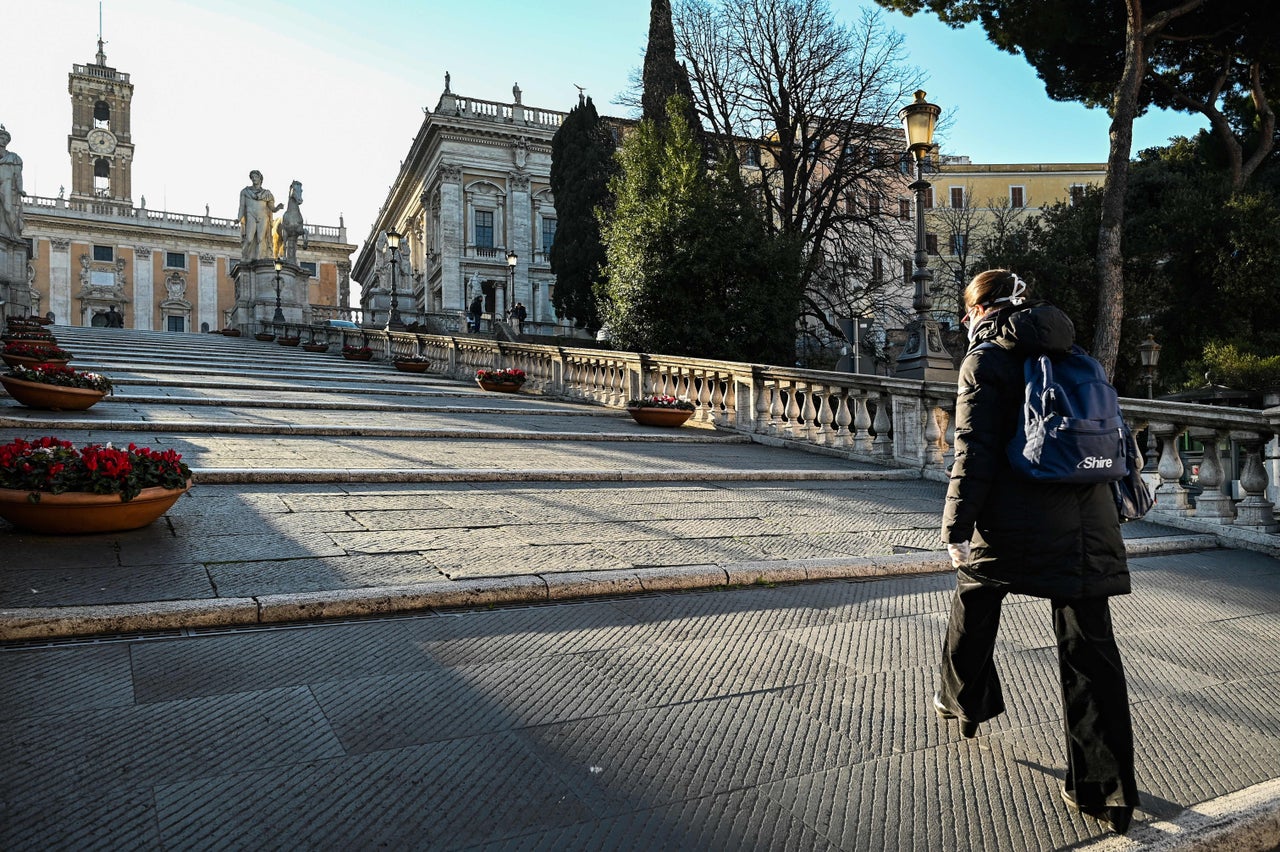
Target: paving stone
(85, 586)
(244, 661)
(740, 741)
(136, 746)
(292, 576)
(423, 796)
(102, 818)
(503, 560)
(87, 677)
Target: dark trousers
(1095, 702)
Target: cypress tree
(581, 165)
(663, 75)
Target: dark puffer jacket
(1045, 539)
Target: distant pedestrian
(474, 313)
(520, 314)
(1006, 534)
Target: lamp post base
(925, 357)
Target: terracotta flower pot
(231, 332)
(29, 361)
(50, 397)
(316, 347)
(77, 512)
(264, 337)
(660, 416)
(412, 366)
(358, 356)
(499, 387)
(289, 341)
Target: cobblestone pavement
(195, 701)
(792, 717)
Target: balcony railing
(899, 423)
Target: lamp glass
(1149, 352)
(918, 120)
(279, 264)
(393, 239)
(512, 258)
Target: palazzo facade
(96, 249)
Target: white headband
(1016, 298)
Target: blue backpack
(1072, 429)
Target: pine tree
(581, 165)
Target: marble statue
(257, 208)
(289, 227)
(10, 189)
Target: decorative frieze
(59, 244)
(142, 252)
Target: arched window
(102, 115)
(102, 176)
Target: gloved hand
(959, 554)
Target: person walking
(1007, 534)
(475, 311)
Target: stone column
(144, 291)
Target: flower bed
(357, 353)
(660, 401)
(26, 355)
(53, 466)
(63, 377)
(412, 363)
(49, 486)
(510, 376)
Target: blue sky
(331, 93)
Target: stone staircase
(329, 488)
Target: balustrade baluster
(1171, 494)
(791, 428)
(883, 444)
(1212, 504)
(824, 416)
(862, 423)
(808, 429)
(932, 435)
(1255, 512)
(843, 418)
(777, 411)
(764, 399)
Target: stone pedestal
(15, 291)
(256, 293)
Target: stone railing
(125, 211)
(895, 422)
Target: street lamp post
(924, 356)
(394, 322)
(279, 315)
(1149, 354)
(512, 260)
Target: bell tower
(100, 145)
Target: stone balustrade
(896, 422)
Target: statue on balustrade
(10, 189)
(257, 209)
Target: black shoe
(968, 729)
(1116, 818)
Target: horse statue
(289, 227)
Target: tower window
(309, 266)
(175, 260)
(548, 234)
(484, 229)
(102, 114)
(102, 176)
(104, 253)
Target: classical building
(94, 249)
(474, 207)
